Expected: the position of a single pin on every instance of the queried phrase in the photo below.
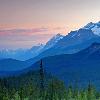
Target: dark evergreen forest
(38, 85)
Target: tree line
(38, 85)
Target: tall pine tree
(42, 90)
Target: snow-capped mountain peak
(37, 49)
(89, 25)
(53, 41)
(95, 27)
(57, 37)
(96, 30)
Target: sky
(24, 23)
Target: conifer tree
(84, 95)
(91, 92)
(70, 93)
(50, 90)
(21, 93)
(42, 91)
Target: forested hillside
(38, 85)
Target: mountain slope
(12, 65)
(95, 27)
(53, 41)
(25, 54)
(74, 42)
(21, 54)
(82, 67)
(70, 44)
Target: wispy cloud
(22, 31)
(26, 38)
(23, 38)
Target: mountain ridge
(82, 66)
(25, 54)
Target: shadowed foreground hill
(81, 67)
(12, 65)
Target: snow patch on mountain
(89, 25)
(95, 27)
(25, 54)
(53, 41)
(96, 30)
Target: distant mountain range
(74, 57)
(81, 67)
(72, 43)
(52, 42)
(76, 40)
(21, 54)
(25, 54)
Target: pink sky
(36, 21)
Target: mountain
(78, 40)
(53, 41)
(31, 53)
(82, 67)
(25, 54)
(8, 53)
(21, 54)
(73, 58)
(95, 27)
(74, 42)
(12, 65)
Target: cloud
(26, 38)
(23, 31)
(23, 38)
